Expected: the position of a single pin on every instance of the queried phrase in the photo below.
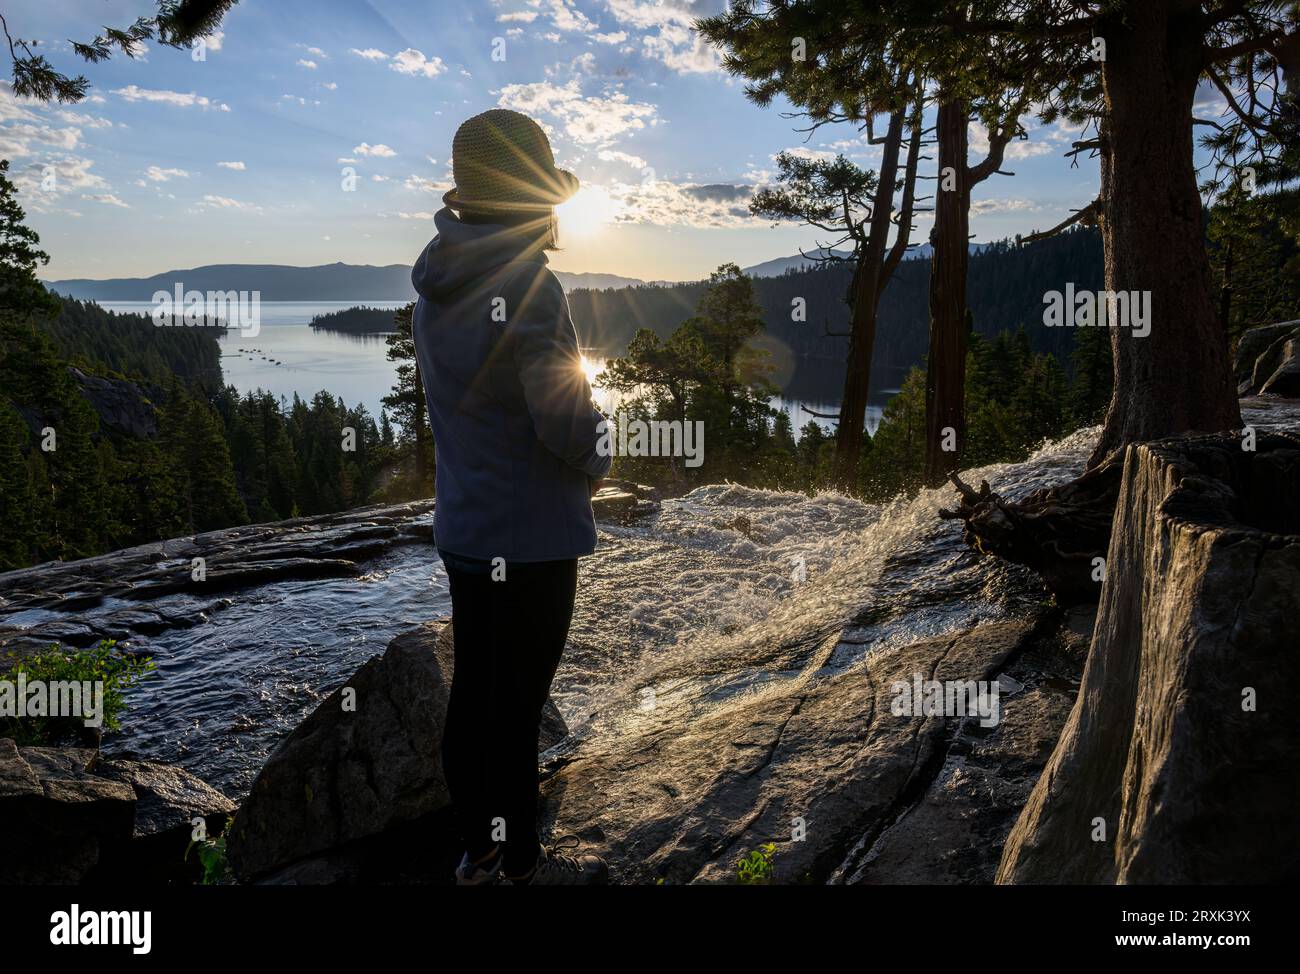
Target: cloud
(212, 202)
(616, 37)
(587, 119)
(682, 50)
(83, 120)
(422, 184)
(157, 175)
(422, 215)
(236, 165)
(180, 99)
(20, 138)
(985, 207)
(413, 62)
(664, 203)
(380, 151)
(410, 61)
(674, 41)
(719, 193)
(613, 155)
(803, 152)
(69, 173)
(519, 16)
(1041, 141)
(214, 40)
(329, 85)
(304, 63)
(108, 199)
(567, 17)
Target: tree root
(1057, 531)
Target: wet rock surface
(77, 818)
(681, 796)
(1266, 360)
(366, 762)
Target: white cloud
(682, 50)
(410, 61)
(211, 202)
(157, 175)
(69, 173)
(664, 203)
(414, 62)
(214, 40)
(803, 152)
(84, 120)
(984, 207)
(422, 184)
(565, 16)
(616, 37)
(613, 155)
(519, 16)
(422, 215)
(20, 138)
(380, 151)
(329, 85)
(587, 119)
(674, 41)
(236, 165)
(180, 99)
(304, 63)
(1041, 141)
(108, 199)
(655, 13)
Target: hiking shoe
(556, 869)
(480, 874)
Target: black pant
(509, 635)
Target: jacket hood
(463, 252)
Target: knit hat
(503, 160)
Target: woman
(517, 461)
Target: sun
(590, 210)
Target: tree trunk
(866, 297)
(945, 373)
(1178, 377)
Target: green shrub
(756, 869)
(104, 664)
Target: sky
(313, 131)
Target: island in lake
(360, 319)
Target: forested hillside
(1006, 288)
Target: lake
(287, 356)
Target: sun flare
(590, 210)
(590, 369)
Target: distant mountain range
(284, 282)
(353, 282)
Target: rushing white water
(721, 591)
